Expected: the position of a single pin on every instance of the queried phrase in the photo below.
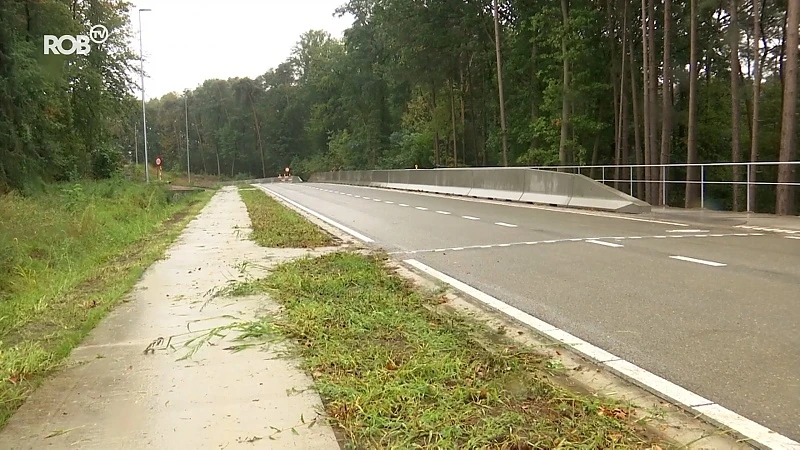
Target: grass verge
(67, 256)
(396, 371)
(277, 226)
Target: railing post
(630, 169)
(748, 187)
(663, 185)
(702, 187)
(603, 172)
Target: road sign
(158, 161)
(286, 170)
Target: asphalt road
(715, 310)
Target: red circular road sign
(158, 161)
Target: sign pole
(186, 110)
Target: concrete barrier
(500, 183)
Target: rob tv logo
(55, 45)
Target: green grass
(277, 226)
(396, 371)
(67, 256)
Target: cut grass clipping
(395, 372)
(277, 226)
(67, 255)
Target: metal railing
(620, 176)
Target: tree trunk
(500, 83)
(784, 204)
(258, 135)
(435, 128)
(692, 177)
(463, 115)
(666, 105)
(637, 126)
(453, 125)
(646, 106)
(623, 101)
(756, 102)
(563, 151)
(736, 154)
(655, 173)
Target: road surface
(714, 310)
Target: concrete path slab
(113, 396)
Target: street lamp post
(186, 112)
(144, 113)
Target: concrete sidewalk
(113, 395)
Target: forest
(445, 83)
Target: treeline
(584, 82)
(420, 82)
(61, 117)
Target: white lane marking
(387, 201)
(561, 241)
(349, 195)
(342, 193)
(376, 199)
(607, 244)
(357, 196)
(402, 204)
(503, 224)
(774, 230)
(545, 208)
(421, 208)
(366, 198)
(687, 231)
(698, 261)
(668, 389)
(471, 218)
(443, 212)
(792, 237)
(327, 220)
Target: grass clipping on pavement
(395, 371)
(277, 226)
(68, 254)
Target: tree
(786, 173)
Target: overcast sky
(188, 41)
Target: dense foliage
(416, 82)
(61, 116)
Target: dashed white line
(402, 204)
(443, 212)
(600, 241)
(698, 261)
(387, 201)
(503, 224)
(607, 244)
(471, 218)
(376, 199)
(366, 198)
(672, 391)
(792, 237)
(687, 231)
(421, 208)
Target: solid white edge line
(607, 244)
(661, 386)
(687, 231)
(792, 237)
(319, 216)
(698, 261)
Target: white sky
(188, 41)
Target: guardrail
(713, 178)
(498, 183)
(292, 179)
